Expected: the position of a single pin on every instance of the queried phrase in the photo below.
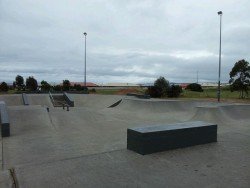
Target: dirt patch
(128, 90)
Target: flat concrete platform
(86, 146)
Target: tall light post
(85, 35)
(218, 92)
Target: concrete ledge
(5, 123)
(68, 99)
(25, 99)
(146, 140)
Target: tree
(174, 91)
(163, 85)
(240, 78)
(160, 88)
(4, 87)
(14, 85)
(31, 83)
(194, 87)
(66, 85)
(19, 82)
(45, 86)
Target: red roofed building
(183, 85)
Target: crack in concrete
(14, 178)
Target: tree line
(31, 84)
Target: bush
(93, 90)
(57, 88)
(4, 87)
(31, 83)
(85, 89)
(45, 86)
(77, 87)
(153, 91)
(194, 87)
(162, 86)
(66, 85)
(174, 91)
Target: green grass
(106, 91)
(210, 93)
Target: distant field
(208, 93)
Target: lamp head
(85, 33)
(220, 13)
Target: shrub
(45, 86)
(174, 91)
(162, 86)
(194, 87)
(85, 89)
(153, 91)
(4, 87)
(66, 85)
(93, 90)
(77, 87)
(57, 88)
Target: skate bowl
(87, 145)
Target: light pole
(85, 35)
(218, 92)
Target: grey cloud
(127, 40)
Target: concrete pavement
(86, 147)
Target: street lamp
(218, 92)
(85, 34)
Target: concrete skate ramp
(237, 112)
(12, 100)
(222, 113)
(39, 99)
(94, 101)
(208, 113)
(28, 119)
(157, 106)
(31, 136)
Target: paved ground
(86, 147)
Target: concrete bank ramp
(222, 113)
(28, 119)
(237, 111)
(39, 99)
(94, 101)
(157, 106)
(208, 113)
(12, 100)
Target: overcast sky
(128, 41)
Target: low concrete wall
(146, 140)
(68, 99)
(25, 99)
(5, 123)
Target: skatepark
(86, 145)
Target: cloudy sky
(128, 40)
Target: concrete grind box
(147, 140)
